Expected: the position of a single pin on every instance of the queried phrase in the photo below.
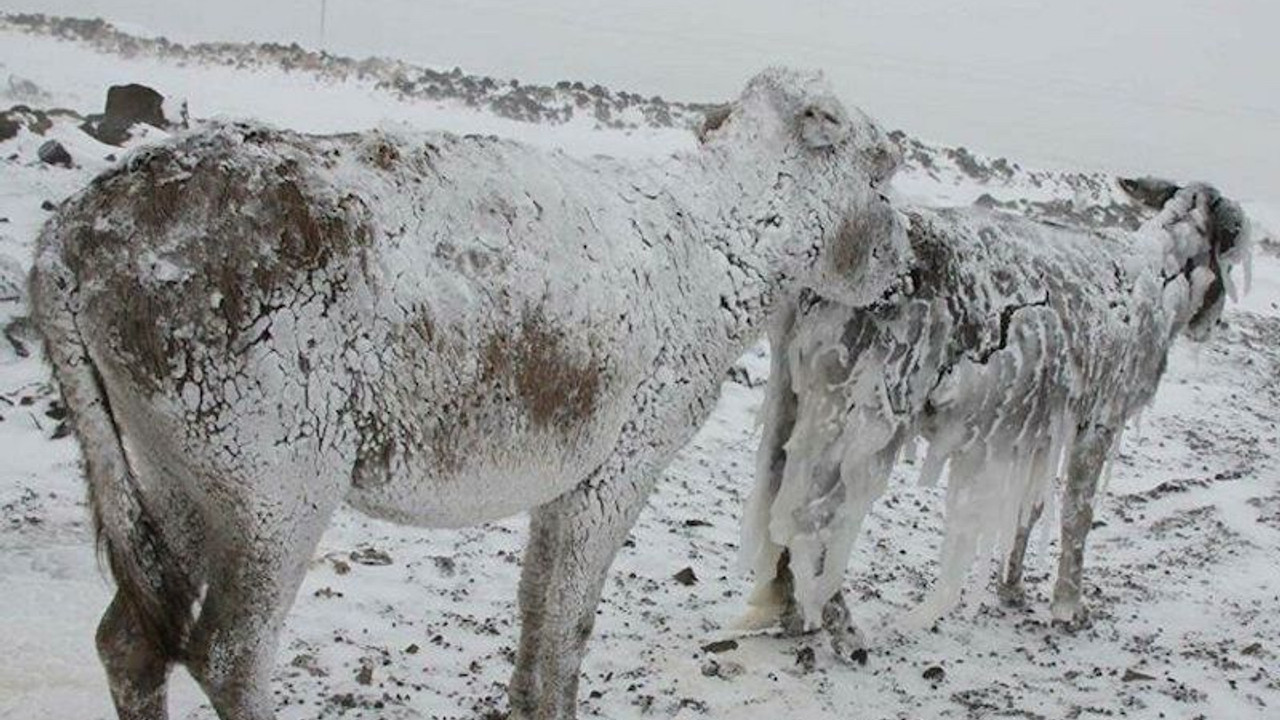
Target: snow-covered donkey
(1012, 347)
(253, 326)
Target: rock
(935, 674)
(859, 656)
(56, 410)
(52, 152)
(127, 105)
(1132, 675)
(695, 522)
(48, 206)
(365, 676)
(686, 577)
(8, 127)
(1254, 649)
(723, 670)
(720, 646)
(370, 556)
(806, 659)
(19, 116)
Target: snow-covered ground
(396, 622)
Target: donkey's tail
(148, 577)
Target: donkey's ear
(1150, 191)
(714, 118)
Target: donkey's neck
(758, 225)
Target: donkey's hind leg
(1011, 590)
(259, 562)
(137, 667)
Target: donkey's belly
(484, 485)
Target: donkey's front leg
(572, 543)
(1088, 457)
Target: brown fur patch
(556, 388)
(244, 228)
(851, 247)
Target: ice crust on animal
(252, 326)
(1016, 349)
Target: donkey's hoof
(849, 646)
(1070, 615)
(1012, 594)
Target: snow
(1181, 578)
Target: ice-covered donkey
(253, 326)
(1015, 348)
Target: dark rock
(127, 105)
(695, 522)
(720, 646)
(52, 152)
(859, 656)
(935, 674)
(56, 411)
(1252, 649)
(686, 577)
(8, 127)
(48, 206)
(1132, 675)
(19, 116)
(806, 659)
(370, 556)
(365, 676)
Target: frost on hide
(1000, 344)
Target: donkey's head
(845, 236)
(1207, 236)
(794, 111)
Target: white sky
(1186, 88)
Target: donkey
(252, 326)
(1012, 347)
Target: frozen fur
(254, 326)
(1016, 349)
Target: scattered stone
(859, 656)
(37, 122)
(1254, 649)
(53, 152)
(445, 565)
(62, 430)
(370, 556)
(806, 659)
(693, 704)
(729, 669)
(412, 649)
(56, 410)
(935, 674)
(48, 206)
(720, 646)
(365, 676)
(8, 127)
(686, 577)
(696, 522)
(1132, 675)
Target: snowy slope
(397, 622)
